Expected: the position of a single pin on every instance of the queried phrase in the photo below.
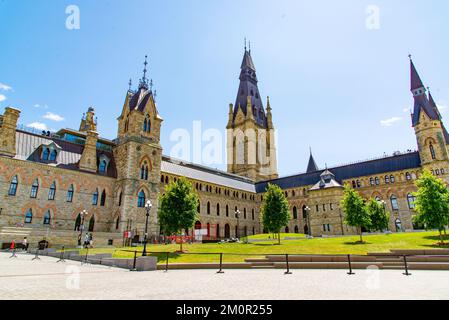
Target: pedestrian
(79, 240)
(25, 243)
(13, 245)
(86, 240)
(91, 240)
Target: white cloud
(53, 117)
(38, 126)
(406, 110)
(389, 122)
(41, 106)
(5, 87)
(2, 97)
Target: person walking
(25, 243)
(91, 241)
(86, 240)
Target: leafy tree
(356, 214)
(378, 215)
(275, 210)
(432, 203)
(178, 207)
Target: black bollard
(134, 261)
(221, 264)
(166, 262)
(61, 257)
(350, 265)
(406, 273)
(288, 266)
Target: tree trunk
(279, 237)
(361, 237)
(441, 237)
(181, 243)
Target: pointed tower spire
(144, 81)
(248, 88)
(311, 167)
(433, 104)
(415, 79)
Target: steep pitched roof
(248, 88)
(311, 166)
(415, 79)
(404, 161)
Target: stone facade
(44, 193)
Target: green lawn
(341, 245)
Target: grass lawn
(340, 245)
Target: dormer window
(45, 154)
(50, 152)
(103, 163)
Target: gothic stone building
(48, 179)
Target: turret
(8, 124)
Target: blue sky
(331, 80)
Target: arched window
(295, 213)
(52, 192)
(408, 176)
(387, 179)
(70, 193)
(13, 186)
(198, 208)
(359, 185)
(218, 209)
(46, 154)
(141, 199)
(120, 199)
(95, 197)
(432, 151)
(304, 212)
(394, 202)
(147, 124)
(411, 201)
(103, 198)
(392, 179)
(296, 229)
(34, 189)
(162, 179)
(91, 224)
(287, 230)
(117, 223)
(144, 171)
(354, 184)
(244, 213)
(102, 166)
(29, 216)
(227, 211)
(252, 214)
(47, 217)
(208, 208)
(371, 181)
(377, 181)
(53, 155)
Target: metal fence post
(350, 265)
(406, 273)
(61, 257)
(288, 266)
(134, 261)
(221, 264)
(166, 262)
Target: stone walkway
(22, 278)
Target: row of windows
(48, 155)
(35, 189)
(437, 172)
(208, 211)
(323, 206)
(218, 190)
(293, 193)
(394, 201)
(29, 217)
(388, 179)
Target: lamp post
(82, 214)
(237, 215)
(308, 220)
(148, 206)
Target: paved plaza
(23, 278)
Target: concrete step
(256, 260)
(261, 264)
